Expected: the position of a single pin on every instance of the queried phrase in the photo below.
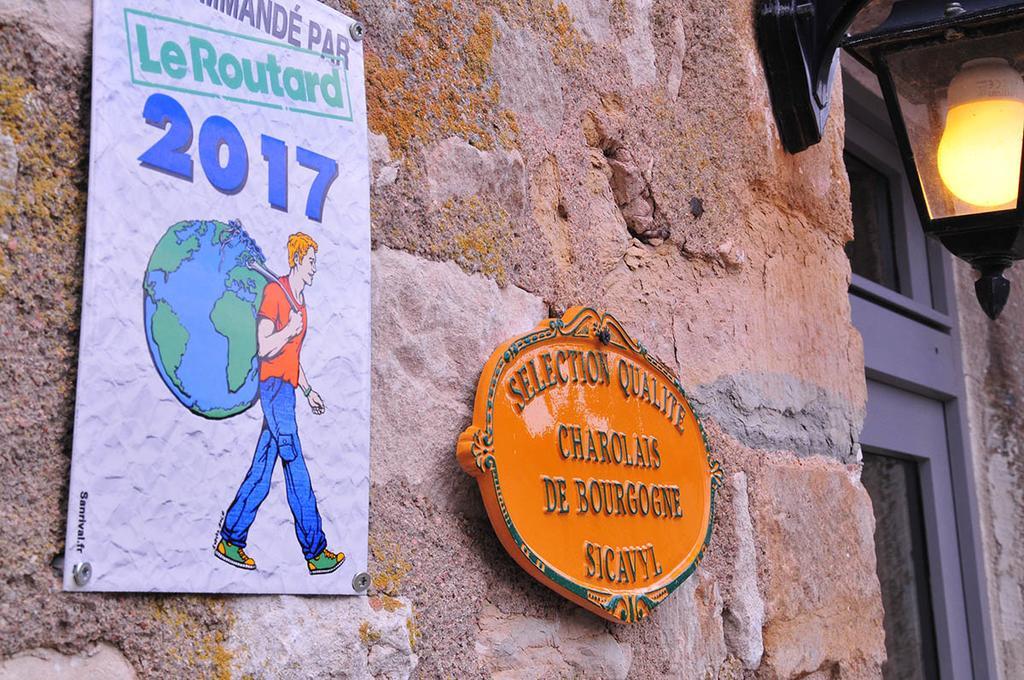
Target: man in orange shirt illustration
(280, 330)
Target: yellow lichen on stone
(391, 604)
(619, 15)
(221, 657)
(479, 246)
(47, 192)
(480, 231)
(414, 631)
(570, 50)
(368, 634)
(552, 20)
(201, 645)
(508, 130)
(391, 111)
(478, 49)
(391, 567)
(436, 82)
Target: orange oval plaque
(595, 472)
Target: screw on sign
(82, 573)
(361, 582)
(594, 469)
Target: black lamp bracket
(799, 42)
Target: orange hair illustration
(298, 245)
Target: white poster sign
(222, 423)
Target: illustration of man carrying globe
(280, 330)
(224, 331)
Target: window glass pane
(902, 566)
(872, 252)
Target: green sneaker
(325, 562)
(234, 555)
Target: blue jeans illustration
(278, 438)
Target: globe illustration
(201, 294)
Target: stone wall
(994, 376)
(527, 156)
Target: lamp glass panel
(962, 105)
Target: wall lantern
(951, 77)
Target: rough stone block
(434, 326)
(780, 412)
(674, 80)
(592, 18)
(994, 377)
(549, 214)
(529, 79)
(385, 170)
(690, 628)
(8, 164)
(295, 638)
(455, 169)
(638, 46)
(823, 605)
(743, 616)
(66, 24)
(102, 662)
(568, 644)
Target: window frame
(912, 344)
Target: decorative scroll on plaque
(595, 471)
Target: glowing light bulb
(980, 151)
